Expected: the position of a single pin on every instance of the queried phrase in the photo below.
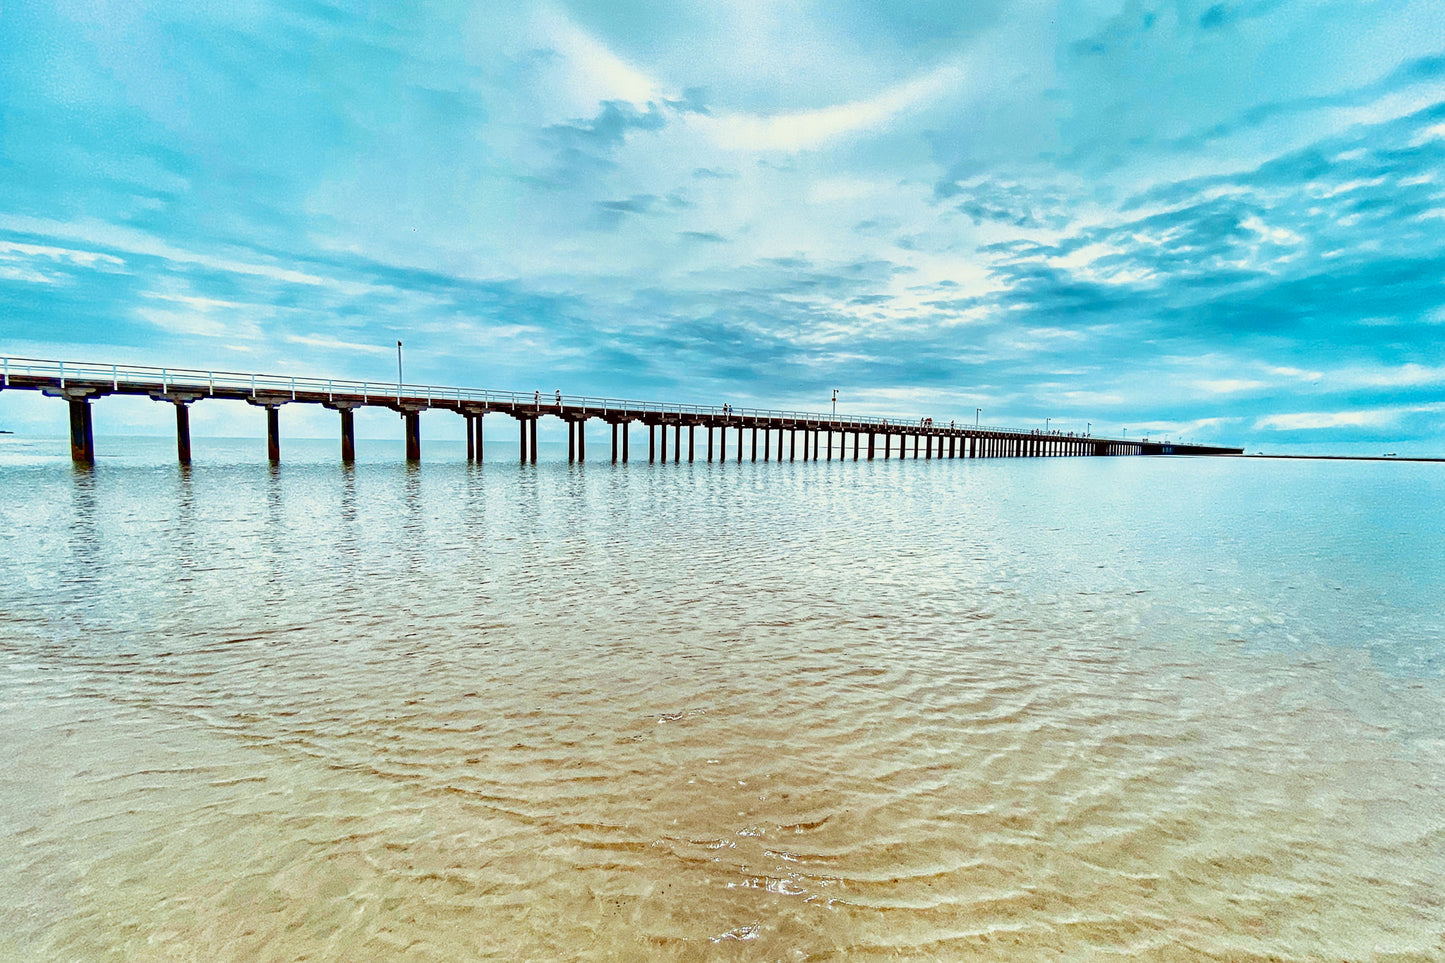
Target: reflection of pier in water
(807, 435)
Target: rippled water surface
(1058, 708)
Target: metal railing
(204, 382)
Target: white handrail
(252, 383)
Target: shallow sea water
(1084, 708)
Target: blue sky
(1220, 221)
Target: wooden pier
(777, 435)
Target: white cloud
(813, 128)
(1226, 386)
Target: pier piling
(82, 432)
(183, 432)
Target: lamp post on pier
(398, 371)
(976, 413)
(835, 404)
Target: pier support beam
(183, 432)
(614, 443)
(581, 440)
(533, 447)
(652, 443)
(626, 440)
(691, 443)
(273, 433)
(870, 446)
(272, 404)
(412, 419)
(348, 436)
(522, 439)
(677, 443)
(82, 432)
(470, 419)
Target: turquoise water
(944, 710)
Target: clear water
(1055, 708)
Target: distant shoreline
(1349, 457)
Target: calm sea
(1084, 708)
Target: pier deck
(806, 435)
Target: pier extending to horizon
(805, 435)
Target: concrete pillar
(780, 446)
(82, 432)
(767, 444)
(581, 439)
(691, 444)
(740, 444)
(532, 447)
(722, 443)
(664, 443)
(677, 443)
(413, 435)
(471, 437)
(626, 439)
(183, 433)
(571, 442)
(807, 439)
(651, 443)
(614, 443)
(273, 433)
(478, 422)
(793, 445)
(522, 427)
(829, 437)
(348, 436)
(755, 442)
(870, 446)
(709, 444)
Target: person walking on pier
(537, 398)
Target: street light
(976, 413)
(1046, 426)
(398, 370)
(835, 403)
(1088, 428)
